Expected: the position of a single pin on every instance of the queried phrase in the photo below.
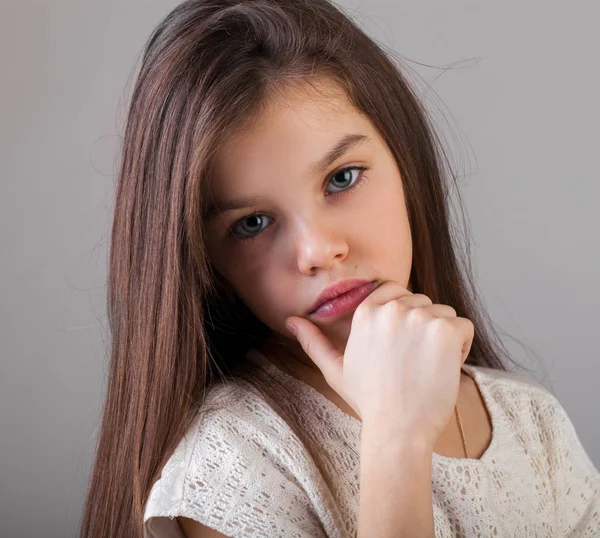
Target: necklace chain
(462, 432)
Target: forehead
(293, 131)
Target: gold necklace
(462, 433)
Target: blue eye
(255, 221)
(345, 177)
(251, 226)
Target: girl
(297, 350)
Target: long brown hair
(207, 71)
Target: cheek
(392, 219)
(261, 284)
(381, 215)
(235, 262)
(386, 229)
(254, 273)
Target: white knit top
(242, 471)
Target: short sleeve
(228, 474)
(576, 478)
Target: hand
(402, 361)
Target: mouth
(341, 298)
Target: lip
(341, 297)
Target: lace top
(243, 472)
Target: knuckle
(389, 315)
(418, 315)
(440, 326)
(451, 310)
(363, 311)
(423, 297)
(392, 309)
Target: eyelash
(360, 180)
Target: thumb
(319, 348)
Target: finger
(385, 292)
(319, 348)
(441, 310)
(467, 331)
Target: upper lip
(337, 289)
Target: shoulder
(534, 413)
(523, 402)
(238, 469)
(510, 384)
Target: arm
(395, 485)
(227, 479)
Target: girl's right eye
(252, 224)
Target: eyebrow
(342, 146)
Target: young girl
(297, 350)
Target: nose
(319, 245)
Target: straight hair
(208, 71)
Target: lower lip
(344, 303)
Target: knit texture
(242, 471)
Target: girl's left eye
(346, 175)
(348, 184)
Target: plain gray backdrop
(514, 88)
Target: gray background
(515, 90)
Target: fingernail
(291, 327)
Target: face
(302, 228)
